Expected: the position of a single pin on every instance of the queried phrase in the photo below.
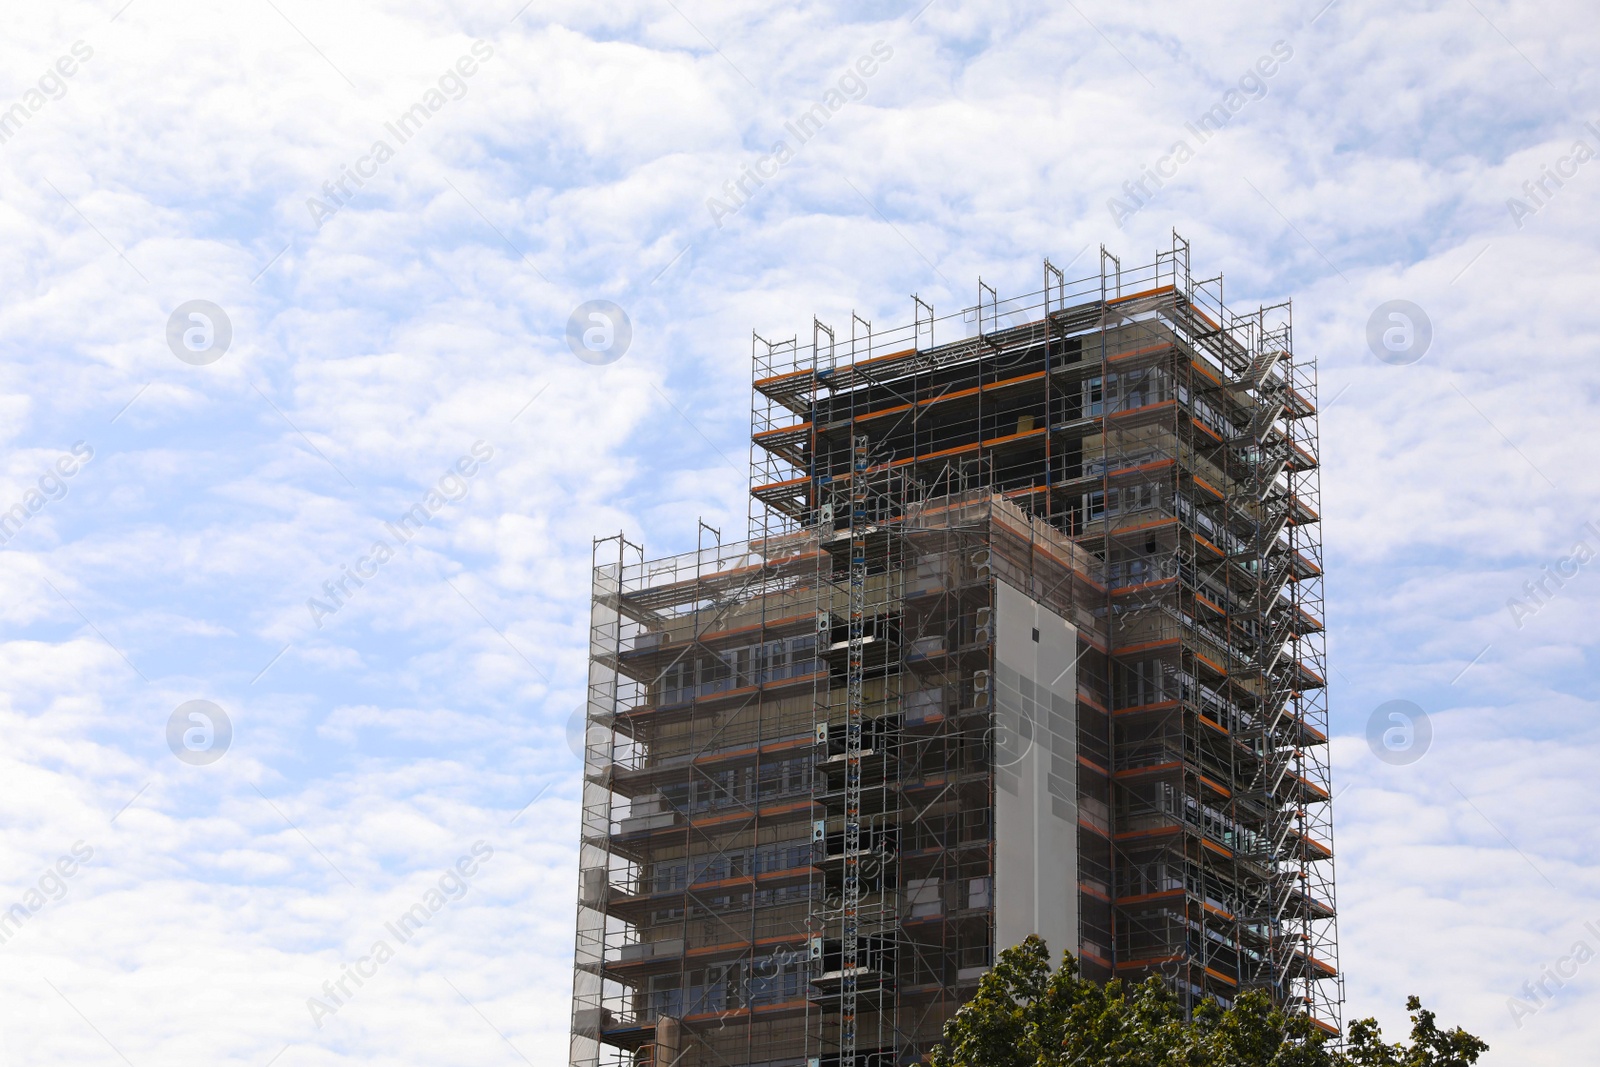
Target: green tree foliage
(1026, 1015)
(1430, 1046)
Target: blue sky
(374, 347)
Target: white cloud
(428, 312)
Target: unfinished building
(1026, 638)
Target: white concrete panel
(1036, 809)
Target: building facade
(1026, 638)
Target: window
(734, 668)
(677, 683)
(780, 778)
(668, 877)
(664, 996)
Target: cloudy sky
(378, 321)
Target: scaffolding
(796, 742)
(696, 855)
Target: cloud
(430, 312)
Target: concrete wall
(1036, 787)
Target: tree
(1025, 1015)
(1430, 1046)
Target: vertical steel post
(850, 941)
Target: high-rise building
(1026, 638)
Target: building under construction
(1027, 638)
